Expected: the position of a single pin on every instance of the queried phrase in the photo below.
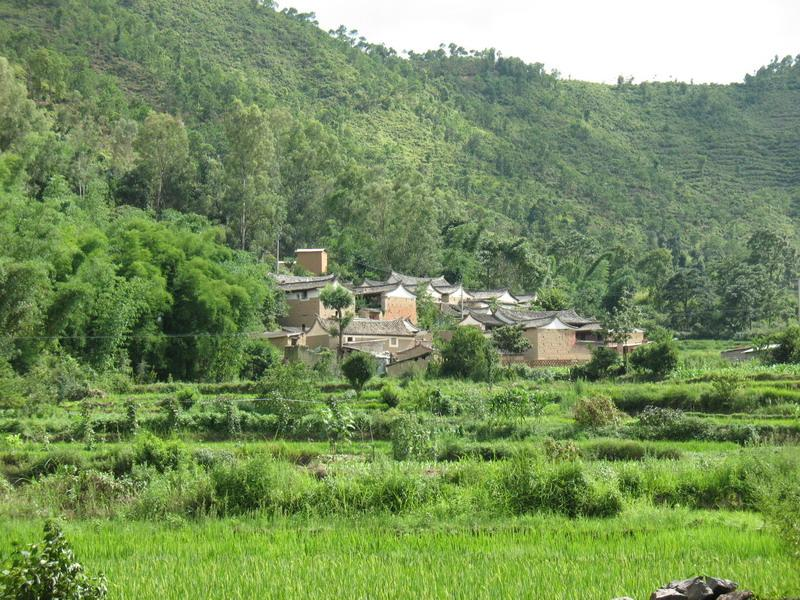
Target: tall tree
(251, 172)
(163, 147)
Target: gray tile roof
(413, 281)
(293, 283)
(395, 328)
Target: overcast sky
(594, 40)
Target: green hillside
(677, 200)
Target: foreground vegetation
(436, 486)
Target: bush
(656, 360)
(259, 356)
(787, 348)
(605, 362)
(188, 396)
(564, 488)
(155, 452)
(391, 394)
(49, 570)
(511, 339)
(259, 484)
(670, 424)
(469, 355)
(595, 412)
(411, 439)
(287, 390)
(628, 450)
(783, 511)
(358, 368)
(558, 450)
(516, 402)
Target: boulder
(698, 590)
(721, 586)
(668, 594)
(740, 595)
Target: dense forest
(154, 153)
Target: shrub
(670, 424)
(259, 484)
(723, 394)
(172, 411)
(287, 390)
(155, 452)
(259, 356)
(656, 360)
(358, 368)
(390, 394)
(605, 362)
(783, 511)
(49, 570)
(564, 488)
(469, 355)
(595, 412)
(787, 348)
(185, 491)
(558, 450)
(516, 402)
(411, 439)
(187, 397)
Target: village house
(385, 301)
(386, 317)
(368, 335)
(303, 300)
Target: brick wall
(398, 308)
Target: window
(393, 342)
(303, 295)
(350, 338)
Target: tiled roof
(537, 318)
(487, 294)
(397, 327)
(411, 280)
(369, 290)
(293, 283)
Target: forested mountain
(207, 130)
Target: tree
(163, 147)
(656, 360)
(250, 172)
(551, 299)
(511, 339)
(469, 355)
(427, 312)
(338, 299)
(358, 368)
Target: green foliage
(656, 360)
(595, 412)
(49, 570)
(412, 439)
(565, 488)
(516, 402)
(391, 394)
(606, 362)
(469, 355)
(187, 396)
(511, 339)
(154, 452)
(358, 368)
(788, 346)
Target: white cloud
(595, 40)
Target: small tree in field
(511, 339)
(48, 570)
(338, 299)
(359, 368)
(469, 355)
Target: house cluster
(385, 319)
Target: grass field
(533, 557)
(462, 490)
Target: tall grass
(543, 557)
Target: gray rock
(721, 586)
(698, 590)
(682, 585)
(668, 594)
(740, 595)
